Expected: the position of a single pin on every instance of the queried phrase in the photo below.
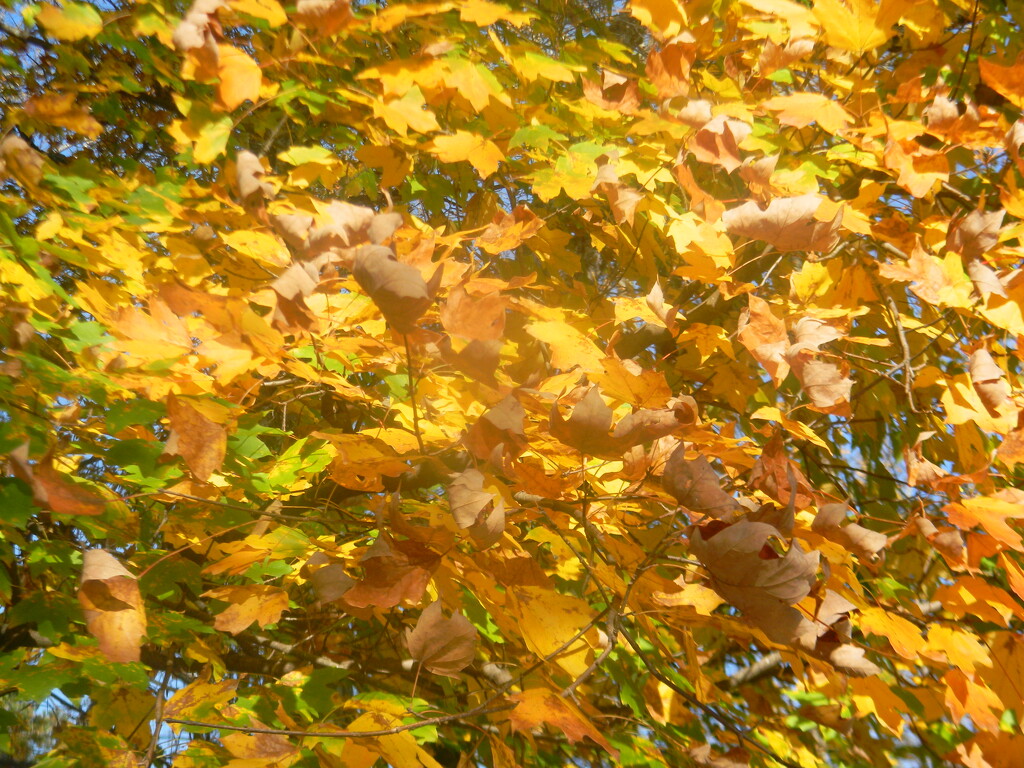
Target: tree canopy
(511, 383)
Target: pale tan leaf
(114, 612)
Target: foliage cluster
(529, 383)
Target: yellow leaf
(531, 65)
(904, 636)
(961, 648)
(485, 13)
(407, 112)
(549, 620)
(665, 18)
(795, 428)
(254, 603)
(268, 10)
(74, 21)
(964, 697)
(1007, 81)
(394, 166)
(240, 77)
(870, 695)
(539, 706)
(858, 26)
(398, 749)
(482, 153)
(569, 347)
(59, 109)
(702, 599)
(264, 248)
(802, 109)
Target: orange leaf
(991, 514)
(257, 602)
(540, 706)
(240, 77)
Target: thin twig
(908, 369)
(412, 393)
(483, 709)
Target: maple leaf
(443, 646)
(787, 223)
(114, 612)
(397, 289)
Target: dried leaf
(717, 142)
(695, 485)
(986, 281)
(443, 646)
(397, 289)
(764, 335)
(864, 543)
(200, 441)
(668, 67)
(249, 173)
(975, 234)
(194, 31)
(826, 384)
(989, 380)
(114, 612)
(587, 428)
(19, 159)
(477, 508)
(394, 572)
(787, 223)
(481, 317)
(507, 231)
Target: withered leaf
(393, 572)
(788, 223)
(863, 542)
(443, 646)
(19, 159)
(717, 141)
(649, 424)
(194, 30)
(199, 440)
(742, 563)
(779, 477)
(480, 510)
(986, 281)
(746, 570)
(62, 494)
(397, 289)
(249, 173)
(695, 485)
(826, 384)
(114, 612)
(500, 428)
(975, 234)
(331, 582)
(850, 660)
(474, 317)
(587, 428)
(989, 380)
(668, 67)
(764, 335)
